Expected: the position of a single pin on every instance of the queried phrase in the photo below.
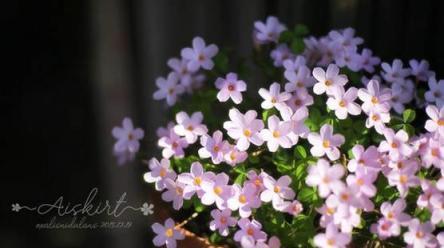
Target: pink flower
(345, 37)
(395, 144)
(159, 173)
(169, 88)
(394, 73)
(190, 126)
(217, 191)
(395, 213)
(436, 92)
(440, 238)
(299, 99)
(433, 153)
(222, 220)
(277, 191)
(294, 65)
(297, 125)
(273, 97)
(276, 134)
(377, 120)
(326, 143)
(256, 180)
(403, 179)
(420, 69)
(436, 122)
(214, 147)
(268, 31)
(385, 228)
(244, 128)
(164, 131)
(294, 208)
(280, 54)
(345, 200)
(127, 137)
(174, 193)
(363, 182)
(437, 204)
(244, 199)
(366, 159)
(180, 67)
(420, 234)
(200, 55)
(328, 80)
(374, 99)
(172, 145)
(368, 61)
(428, 189)
(332, 238)
(166, 234)
(251, 229)
(298, 81)
(193, 180)
(230, 87)
(325, 177)
(233, 156)
(343, 102)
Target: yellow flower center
(276, 134)
(326, 143)
(277, 189)
(375, 117)
(360, 182)
(419, 235)
(216, 148)
(197, 181)
(403, 179)
(331, 242)
(218, 190)
(250, 231)
(441, 122)
(223, 220)
(435, 152)
(247, 132)
(342, 103)
(242, 199)
(328, 82)
(374, 100)
(169, 232)
(394, 145)
(162, 172)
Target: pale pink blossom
(395, 144)
(375, 99)
(244, 199)
(436, 121)
(327, 80)
(332, 238)
(325, 177)
(366, 159)
(277, 191)
(166, 234)
(437, 207)
(159, 173)
(217, 191)
(274, 97)
(298, 81)
(222, 221)
(299, 99)
(395, 72)
(436, 92)
(174, 193)
(169, 88)
(385, 228)
(420, 234)
(233, 156)
(180, 67)
(127, 137)
(428, 189)
(342, 102)
(199, 55)
(297, 125)
(395, 212)
(190, 127)
(377, 120)
(230, 87)
(172, 145)
(268, 31)
(294, 208)
(403, 179)
(420, 69)
(244, 128)
(368, 61)
(214, 147)
(280, 54)
(276, 134)
(193, 180)
(326, 143)
(251, 229)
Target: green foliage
(409, 115)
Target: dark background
(75, 68)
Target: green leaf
(299, 152)
(297, 46)
(410, 130)
(267, 113)
(307, 195)
(286, 37)
(301, 30)
(409, 115)
(221, 61)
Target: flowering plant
(337, 148)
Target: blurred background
(75, 68)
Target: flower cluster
(369, 172)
